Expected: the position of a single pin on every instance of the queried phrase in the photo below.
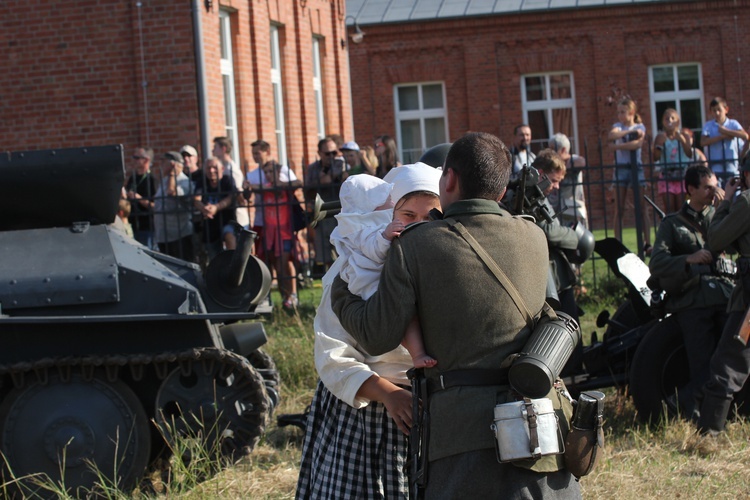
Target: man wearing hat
(173, 207)
(353, 158)
(190, 161)
(140, 188)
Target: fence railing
(610, 194)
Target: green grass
(639, 462)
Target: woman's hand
(397, 401)
(398, 404)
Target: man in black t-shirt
(140, 188)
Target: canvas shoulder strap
(499, 274)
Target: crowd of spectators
(190, 209)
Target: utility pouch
(585, 441)
(526, 429)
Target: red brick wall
(481, 61)
(73, 74)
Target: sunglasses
(331, 153)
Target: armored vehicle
(110, 349)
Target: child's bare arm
(727, 132)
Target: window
(278, 95)
(421, 119)
(677, 86)
(318, 89)
(549, 107)
(227, 80)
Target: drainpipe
(200, 77)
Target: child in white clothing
(366, 227)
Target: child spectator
(672, 153)
(366, 227)
(722, 139)
(627, 135)
(123, 213)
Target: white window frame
(674, 95)
(278, 95)
(320, 118)
(227, 81)
(548, 104)
(421, 114)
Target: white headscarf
(410, 178)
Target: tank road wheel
(85, 428)
(264, 365)
(659, 373)
(218, 398)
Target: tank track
(163, 364)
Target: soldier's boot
(713, 415)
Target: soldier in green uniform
(469, 322)
(730, 364)
(682, 264)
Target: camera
(525, 195)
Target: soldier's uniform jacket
(559, 238)
(730, 229)
(467, 318)
(676, 239)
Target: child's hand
(393, 229)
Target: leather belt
(467, 377)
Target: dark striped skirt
(350, 453)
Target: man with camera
(683, 266)
(730, 363)
(470, 323)
(324, 177)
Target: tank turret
(103, 336)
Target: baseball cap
(174, 156)
(350, 146)
(188, 149)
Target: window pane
(228, 101)
(277, 96)
(663, 79)
(411, 142)
(408, 98)
(434, 131)
(535, 88)
(562, 121)
(661, 107)
(540, 132)
(223, 35)
(432, 95)
(687, 78)
(559, 86)
(691, 115)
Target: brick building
(125, 71)
(427, 71)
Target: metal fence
(282, 214)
